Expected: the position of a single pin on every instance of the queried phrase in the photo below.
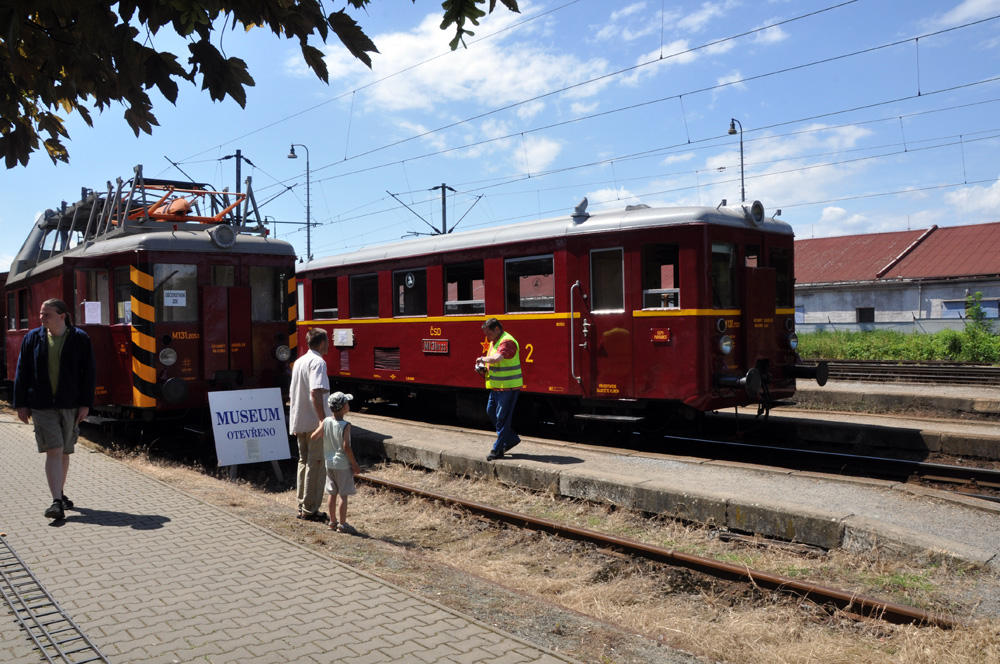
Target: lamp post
(732, 131)
(292, 155)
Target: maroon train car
(178, 286)
(636, 313)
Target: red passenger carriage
(178, 286)
(636, 313)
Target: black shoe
(492, 456)
(319, 517)
(67, 503)
(55, 511)
(510, 447)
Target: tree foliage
(65, 56)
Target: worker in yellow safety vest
(501, 366)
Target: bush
(974, 344)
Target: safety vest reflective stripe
(505, 374)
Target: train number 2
(530, 349)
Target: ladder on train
(56, 637)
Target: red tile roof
(955, 251)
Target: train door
(758, 304)
(607, 329)
(226, 329)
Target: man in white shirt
(307, 408)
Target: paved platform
(155, 576)
(850, 513)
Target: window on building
(866, 314)
(123, 295)
(800, 314)
(269, 286)
(409, 293)
(723, 275)
(780, 258)
(364, 296)
(175, 292)
(530, 284)
(92, 297)
(660, 270)
(607, 280)
(464, 288)
(953, 309)
(325, 299)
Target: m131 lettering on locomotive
(438, 346)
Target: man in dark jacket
(54, 386)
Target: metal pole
(292, 155)
(732, 130)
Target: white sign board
(174, 298)
(249, 426)
(91, 313)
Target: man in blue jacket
(54, 386)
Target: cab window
(269, 286)
(175, 292)
(607, 280)
(92, 297)
(723, 275)
(660, 277)
(780, 258)
(530, 284)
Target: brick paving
(153, 575)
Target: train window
(22, 309)
(175, 292)
(530, 284)
(92, 295)
(660, 271)
(780, 258)
(224, 275)
(607, 280)
(409, 293)
(464, 288)
(364, 296)
(269, 286)
(11, 309)
(325, 299)
(751, 256)
(123, 295)
(723, 275)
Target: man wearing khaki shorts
(54, 387)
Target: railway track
(847, 601)
(893, 371)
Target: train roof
(146, 214)
(633, 217)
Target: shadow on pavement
(115, 519)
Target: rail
(890, 371)
(56, 637)
(845, 600)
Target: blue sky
(857, 117)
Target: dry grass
(409, 542)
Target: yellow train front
(179, 287)
(635, 314)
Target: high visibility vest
(505, 374)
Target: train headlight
(282, 353)
(725, 344)
(168, 356)
(793, 340)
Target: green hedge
(971, 345)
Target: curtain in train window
(530, 284)
(325, 299)
(364, 296)
(465, 288)
(123, 296)
(175, 292)
(660, 282)
(92, 297)
(269, 290)
(780, 258)
(607, 280)
(723, 276)
(409, 293)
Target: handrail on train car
(572, 339)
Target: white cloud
(698, 20)
(610, 198)
(538, 154)
(677, 158)
(674, 53)
(976, 199)
(579, 108)
(970, 10)
(628, 11)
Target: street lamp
(292, 155)
(732, 131)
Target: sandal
(334, 526)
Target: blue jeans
(500, 408)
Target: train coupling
(820, 372)
(750, 383)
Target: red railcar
(178, 286)
(636, 313)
